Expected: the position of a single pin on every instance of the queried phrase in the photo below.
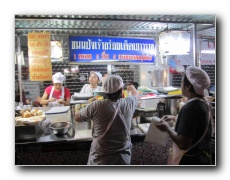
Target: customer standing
(112, 119)
(194, 126)
(56, 94)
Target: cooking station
(152, 50)
(72, 148)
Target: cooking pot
(158, 77)
(172, 105)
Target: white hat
(198, 78)
(58, 78)
(98, 75)
(112, 84)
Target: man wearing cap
(112, 119)
(56, 94)
(94, 79)
(194, 125)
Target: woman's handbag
(175, 153)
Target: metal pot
(60, 128)
(172, 105)
(158, 77)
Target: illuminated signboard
(96, 49)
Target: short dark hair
(187, 83)
(114, 96)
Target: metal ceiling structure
(115, 25)
(144, 26)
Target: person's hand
(168, 118)
(129, 87)
(162, 125)
(52, 99)
(61, 101)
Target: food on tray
(39, 113)
(26, 114)
(28, 121)
(34, 112)
(31, 117)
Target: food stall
(157, 69)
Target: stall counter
(73, 148)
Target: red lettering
(84, 56)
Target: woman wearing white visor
(56, 94)
(194, 125)
(94, 79)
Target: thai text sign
(40, 68)
(208, 55)
(39, 56)
(97, 48)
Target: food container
(28, 128)
(60, 128)
(59, 114)
(98, 93)
(27, 132)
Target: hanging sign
(40, 68)
(174, 43)
(208, 56)
(39, 56)
(207, 59)
(96, 49)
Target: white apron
(56, 103)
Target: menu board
(39, 56)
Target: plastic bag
(45, 125)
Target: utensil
(60, 128)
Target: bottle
(161, 109)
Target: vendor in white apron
(112, 119)
(95, 79)
(56, 94)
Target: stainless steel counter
(78, 132)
